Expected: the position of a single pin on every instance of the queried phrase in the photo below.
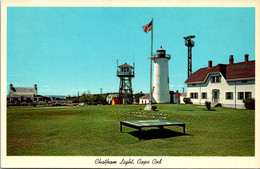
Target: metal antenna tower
(189, 43)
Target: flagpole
(151, 64)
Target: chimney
(231, 59)
(35, 86)
(210, 64)
(11, 86)
(246, 58)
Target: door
(215, 95)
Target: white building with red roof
(146, 99)
(174, 98)
(182, 96)
(226, 84)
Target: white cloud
(45, 86)
(172, 85)
(17, 84)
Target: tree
(85, 98)
(208, 105)
(249, 104)
(137, 96)
(187, 100)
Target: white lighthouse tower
(161, 77)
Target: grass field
(95, 131)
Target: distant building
(117, 100)
(175, 97)
(226, 84)
(110, 97)
(71, 97)
(19, 95)
(146, 99)
(182, 96)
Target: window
(229, 95)
(204, 95)
(213, 80)
(244, 81)
(240, 95)
(191, 95)
(193, 84)
(194, 95)
(35, 99)
(248, 95)
(216, 79)
(244, 95)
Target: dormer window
(216, 79)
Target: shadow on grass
(185, 110)
(210, 110)
(155, 134)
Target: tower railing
(157, 56)
(189, 43)
(129, 73)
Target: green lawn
(95, 131)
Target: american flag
(148, 27)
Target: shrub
(187, 100)
(154, 108)
(208, 105)
(249, 104)
(218, 105)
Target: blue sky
(69, 49)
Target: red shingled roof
(125, 65)
(146, 96)
(177, 94)
(184, 94)
(230, 72)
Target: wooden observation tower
(126, 72)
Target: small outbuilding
(146, 99)
(116, 100)
(182, 96)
